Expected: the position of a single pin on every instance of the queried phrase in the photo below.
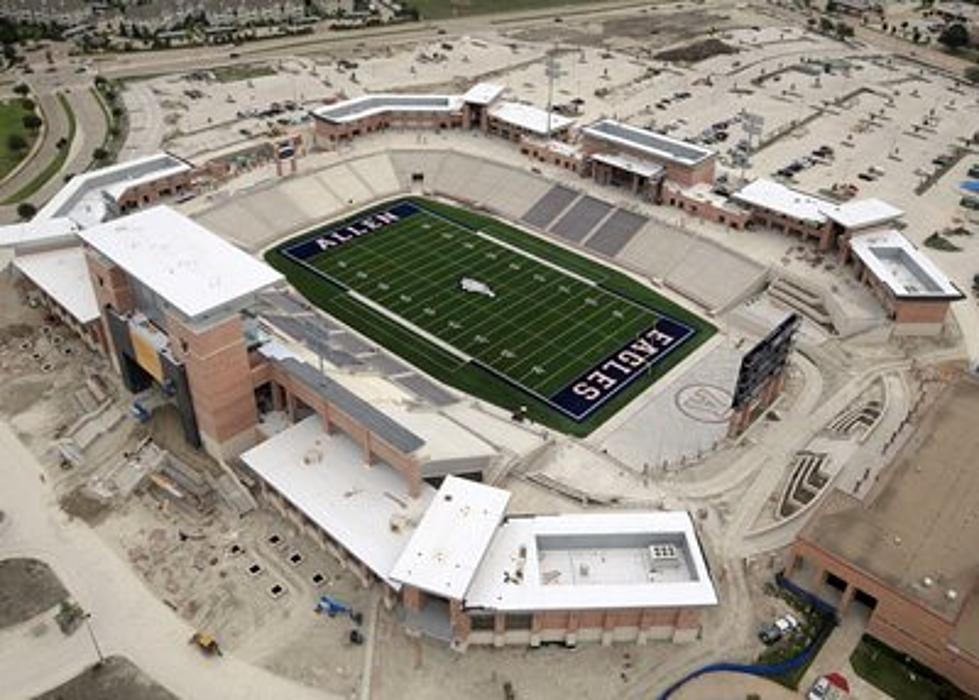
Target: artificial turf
(545, 318)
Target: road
(127, 618)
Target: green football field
(466, 293)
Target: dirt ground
(116, 679)
(28, 587)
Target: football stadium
(491, 310)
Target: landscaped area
(438, 9)
(53, 167)
(898, 675)
(494, 311)
(12, 113)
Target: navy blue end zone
(322, 241)
(615, 373)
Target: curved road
(127, 618)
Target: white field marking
(417, 330)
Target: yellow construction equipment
(206, 643)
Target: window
(518, 621)
(481, 623)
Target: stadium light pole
(98, 651)
(552, 71)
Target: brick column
(536, 625)
(499, 629)
(571, 638)
(608, 625)
(412, 598)
(219, 375)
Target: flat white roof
(63, 275)
(186, 265)
(369, 105)
(648, 142)
(37, 232)
(83, 198)
(775, 196)
(533, 119)
(482, 93)
(862, 213)
(452, 537)
(591, 561)
(906, 271)
(366, 509)
(629, 164)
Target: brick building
(906, 555)
(915, 293)
(640, 159)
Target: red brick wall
(899, 621)
(218, 372)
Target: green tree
(22, 89)
(843, 30)
(955, 36)
(26, 211)
(16, 143)
(972, 74)
(100, 154)
(32, 122)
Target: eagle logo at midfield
(468, 284)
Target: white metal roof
(862, 213)
(906, 271)
(83, 198)
(451, 539)
(533, 119)
(482, 93)
(366, 509)
(516, 571)
(38, 232)
(186, 265)
(382, 103)
(648, 142)
(629, 164)
(774, 196)
(63, 275)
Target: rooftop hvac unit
(662, 553)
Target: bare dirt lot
(116, 679)
(28, 587)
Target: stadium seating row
(697, 268)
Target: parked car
(819, 689)
(769, 635)
(970, 203)
(787, 623)
(974, 170)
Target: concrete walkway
(127, 618)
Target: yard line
(390, 257)
(552, 376)
(409, 271)
(558, 378)
(567, 350)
